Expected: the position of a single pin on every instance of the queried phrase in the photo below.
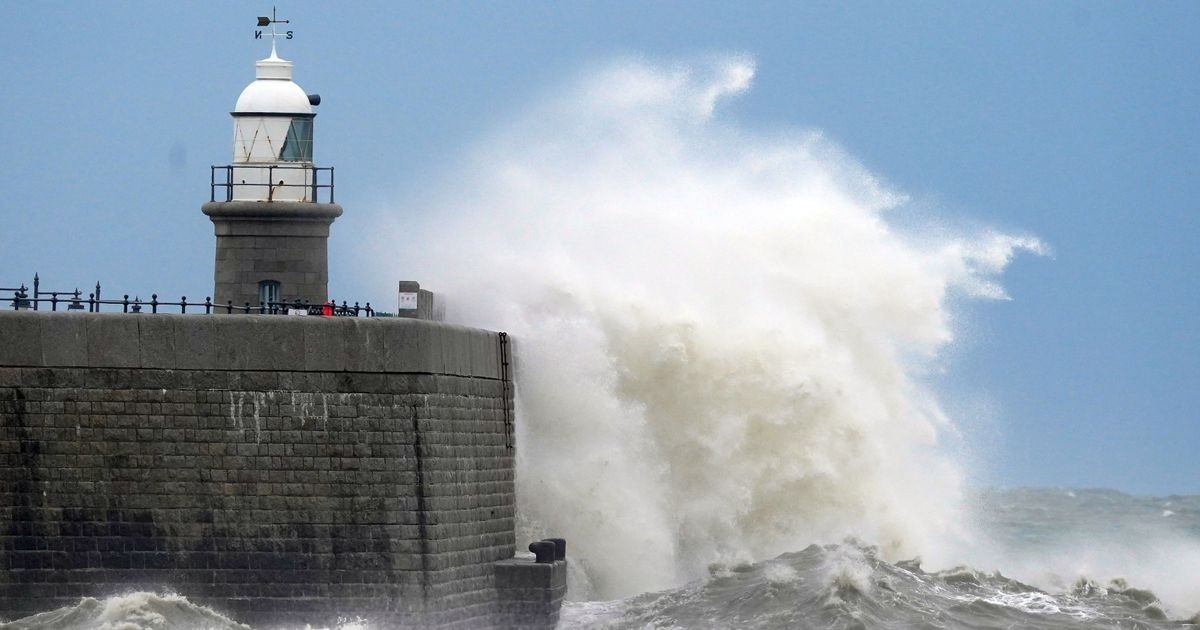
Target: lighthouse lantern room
(273, 136)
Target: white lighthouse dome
(273, 137)
(273, 90)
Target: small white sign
(408, 302)
(298, 311)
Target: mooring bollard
(543, 550)
(560, 547)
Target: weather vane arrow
(272, 21)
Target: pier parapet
(279, 469)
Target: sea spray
(719, 330)
(1091, 542)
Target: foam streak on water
(718, 329)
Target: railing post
(212, 183)
(19, 298)
(208, 305)
(330, 184)
(183, 304)
(125, 304)
(97, 297)
(154, 303)
(36, 283)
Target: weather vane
(272, 21)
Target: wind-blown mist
(720, 335)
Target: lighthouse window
(297, 147)
(268, 292)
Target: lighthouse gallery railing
(225, 178)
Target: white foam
(718, 329)
(1039, 604)
(779, 573)
(847, 569)
(132, 611)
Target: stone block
(455, 345)
(64, 340)
(521, 574)
(277, 343)
(234, 341)
(413, 346)
(113, 340)
(227, 273)
(365, 344)
(194, 347)
(20, 339)
(325, 342)
(485, 354)
(156, 340)
(290, 255)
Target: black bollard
(543, 550)
(560, 547)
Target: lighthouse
(272, 206)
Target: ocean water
(849, 585)
(727, 338)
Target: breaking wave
(721, 335)
(848, 586)
(134, 611)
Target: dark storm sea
(1049, 536)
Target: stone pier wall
(279, 469)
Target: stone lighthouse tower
(271, 208)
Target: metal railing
(21, 299)
(227, 182)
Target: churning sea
(1065, 559)
(1042, 532)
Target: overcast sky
(1075, 122)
